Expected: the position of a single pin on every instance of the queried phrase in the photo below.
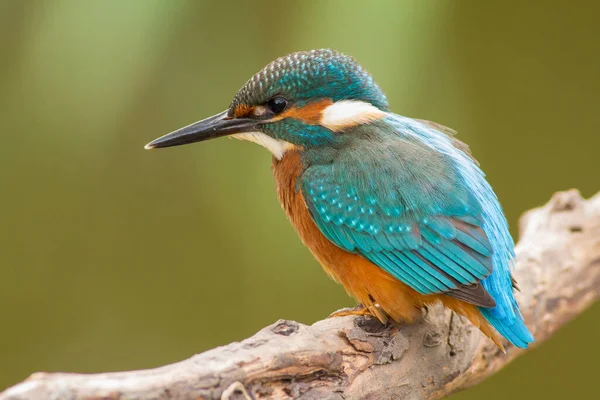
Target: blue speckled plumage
(403, 196)
(309, 75)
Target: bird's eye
(277, 104)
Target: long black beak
(209, 128)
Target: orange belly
(363, 280)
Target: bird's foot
(425, 311)
(375, 324)
(358, 310)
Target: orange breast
(362, 279)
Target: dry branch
(558, 270)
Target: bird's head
(307, 99)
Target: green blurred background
(112, 257)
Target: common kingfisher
(395, 209)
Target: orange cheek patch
(243, 110)
(310, 113)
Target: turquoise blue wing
(431, 241)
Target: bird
(395, 209)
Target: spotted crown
(309, 75)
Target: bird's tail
(475, 316)
(493, 322)
(513, 329)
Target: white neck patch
(275, 146)
(347, 113)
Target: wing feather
(444, 250)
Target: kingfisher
(395, 209)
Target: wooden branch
(558, 270)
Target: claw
(359, 310)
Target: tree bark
(558, 272)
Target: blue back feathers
(403, 196)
